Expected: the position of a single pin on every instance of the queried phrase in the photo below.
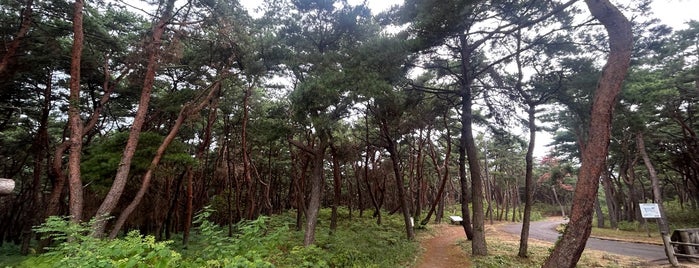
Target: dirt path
(442, 250)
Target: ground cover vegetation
(129, 118)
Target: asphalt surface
(546, 231)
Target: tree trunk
(479, 247)
(599, 213)
(609, 197)
(244, 148)
(189, 208)
(463, 142)
(657, 196)
(654, 184)
(372, 196)
(122, 174)
(445, 174)
(317, 180)
(594, 152)
(56, 170)
(337, 187)
(398, 175)
(360, 200)
(173, 207)
(186, 111)
(39, 147)
(76, 126)
(528, 184)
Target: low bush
(264, 242)
(78, 248)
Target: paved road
(546, 231)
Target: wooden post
(669, 250)
(6, 186)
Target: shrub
(78, 248)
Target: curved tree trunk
(185, 112)
(445, 174)
(122, 174)
(398, 175)
(594, 152)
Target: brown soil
(443, 250)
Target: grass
(638, 236)
(503, 249)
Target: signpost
(650, 210)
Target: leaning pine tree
(594, 150)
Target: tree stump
(6, 186)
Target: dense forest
(139, 114)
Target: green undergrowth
(356, 242)
(264, 242)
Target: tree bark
(463, 142)
(594, 152)
(528, 184)
(115, 192)
(479, 247)
(76, 126)
(317, 179)
(317, 154)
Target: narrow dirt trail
(442, 250)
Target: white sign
(650, 210)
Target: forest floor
(442, 247)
